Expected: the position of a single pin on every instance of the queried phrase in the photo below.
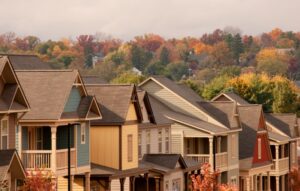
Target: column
(107, 185)
(156, 183)
(211, 155)
(87, 181)
(132, 183)
(53, 148)
(283, 182)
(219, 145)
(254, 182)
(260, 182)
(122, 181)
(277, 157)
(277, 183)
(186, 177)
(147, 181)
(282, 151)
(251, 182)
(72, 181)
(268, 181)
(248, 183)
(161, 182)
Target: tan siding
(12, 131)
(131, 115)
(105, 146)
(62, 184)
(115, 185)
(129, 130)
(174, 176)
(187, 131)
(172, 100)
(233, 158)
(177, 143)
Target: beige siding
(129, 130)
(62, 184)
(233, 156)
(105, 146)
(293, 154)
(115, 185)
(174, 176)
(187, 131)
(177, 143)
(131, 114)
(12, 131)
(144, 112)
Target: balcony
(221, 160)
(201, 158)
(41, 159)
(283, 165)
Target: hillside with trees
(223, 60)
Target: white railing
(33, 159)
(283, 164)
(221, 160)
(201, 158)
(62, 158)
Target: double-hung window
(82, 133)
(4, 133)
(160, 141)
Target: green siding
(83, 150)
(62, 139)
(73, 101)
(24, 138)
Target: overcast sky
(127, 18)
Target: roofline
(204, 113)
(51, 70)
(97, 106)
(284, 134)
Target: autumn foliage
(207, 181)
(39, 180)
(294, 178)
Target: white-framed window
(130, 148)
(167, 137)
(140, 145)
(259, 147)
(176, 184)
(148, 141)
(39, 138)
(233, 146)
(159, 140)
(82, 134)
(4, 133)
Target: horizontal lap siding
(73, 101)
(12, 131)
(129, 130)
(83, 150)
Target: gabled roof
(48, 92)
(231, 96)
(28, 62)
(93, 80)
(180, 89)
(169, 161)
(286, 123)
(114, 102)
(12, 97)
(8, 157)
(250, 116)
(143, 99)
(223, 111)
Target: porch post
(219, 144)
(277, 183)
(248, 183)
(122, 181)
(277, 157)
(53, 148)
(156, 183)
(87, 181)
(211, 155)
(254, 182)
(283, 182)
(268, 181)
(107, 185)
(260, 183)
(161, 183)
(132, 183)
(72, 182)
(147, 181)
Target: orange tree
(39, 180)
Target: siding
(24, 138)
(127, 130)
(131, 114)
(233, 158)
(105, 146)
(177, 143)
(174, 176)
(83, 150)
(12, 131)
(62, 184)
(115, 185)
(73, 100)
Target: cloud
(128, 18)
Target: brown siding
(12, 131)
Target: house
(27, 62)
(200, 131)
(13, 104)
(59, 104)
(114, 138)
(283, 133)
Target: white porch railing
(221, 160)
(62, 158)
(283, 164)
(33, 159)
(201, 158)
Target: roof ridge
(53, 70)
(16, 54)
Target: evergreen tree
(164, 56)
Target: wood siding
(129, 130)
(12, 118)
(62, 184)
(175, 176)
(177, 143)
(83, 150)
(131, 114)
(73, 100)
(115, 185)
(265, 149)
(105, 146)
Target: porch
(207, 150)
(46, 148)
(280, 155)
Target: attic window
(4, 134)
(259, 148)
(82, 134)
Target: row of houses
(149, 137)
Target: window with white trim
(4, 133)
(130, 148)
(39, 138)
(233, 146)
(167, 137)
(148, 138)
(140, 145)
(259, 147)
(82, 134)
(160, 141)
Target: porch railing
(62, 158)
(221, 160)
(201, 158)
(33, 159)
(283, 164)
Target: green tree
(176, 70)
(164, 56)
(155, 68)
(140, 57)
(213, 88)
(128, 78)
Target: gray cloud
(128, 18)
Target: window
(167, 186)
(176, 185)
(148, 141)
(233, 146)
(82, 134)
(39, 138)
(140, 145)
(4, 134)
(167, 135)
(129, 148)
(259, 148)
(160, 141)
(233, 180)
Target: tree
(87, 45)
(214, 87)
(176, 70)
(164, 56)
(139, 57)
(294, 179)
(39, 180)
(220, 55)
(128, 78)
